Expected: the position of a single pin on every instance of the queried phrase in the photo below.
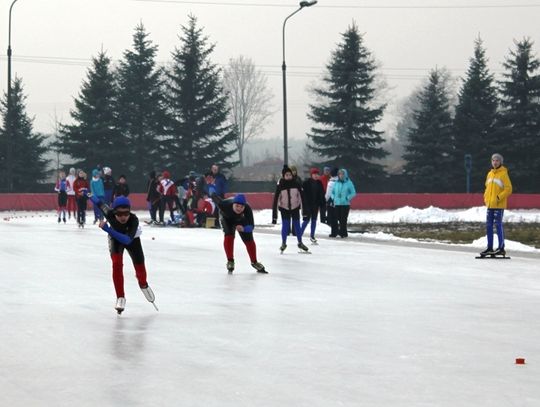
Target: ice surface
(358, 323)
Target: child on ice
(124, 231)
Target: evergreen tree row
(489, 117)
(139, 117)
(26, 148)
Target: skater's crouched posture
(236, 215)
(124, 231)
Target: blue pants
(495, 216)
(286, 216)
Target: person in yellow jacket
(498, 189)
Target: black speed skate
(500, 253)
(302, 248)
(282, 248)
(259, 267)
(230, 266)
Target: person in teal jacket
(342, 194)
(97, 189)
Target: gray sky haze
(53, 42)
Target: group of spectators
(187, 199)
(73, 189)
(329, 194)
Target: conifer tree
(94, 138)
(429, 152)
(29, 167)
(518, 135)
(346, 112)
(474, 122)
(141, 109)
(197, 106)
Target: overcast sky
(53, 41)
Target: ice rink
(356, 323)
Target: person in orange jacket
(498, 189)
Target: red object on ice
(520, 361)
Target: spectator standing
(216, 183)
(342, 194)
(121, 188)
(330, 209)
(96, 187)
(312, 189)
(61, 189)
(324, 178)
(498, 189)
(152, 196)
(70, 191)
(168, 192)
(81, 188)
(108, 185)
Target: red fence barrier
(263, 200)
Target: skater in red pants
(236, 216)
(124, 231)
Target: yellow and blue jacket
(498, 188)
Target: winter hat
(72, 171)
(314, 171)
(121, 202)
(285, 170)
(498, 157)
(326, 168)
(95, 173)
(239, 199)
(166, 174)
(293, 169)
(334, 171)
(107, 171)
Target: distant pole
(302, 4)
(468, 168)
(9, 125)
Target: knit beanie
(239, 199)
(314, 171)
(121, 202)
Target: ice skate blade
(493, 257)
(155, 306)
(304, 252)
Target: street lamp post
(9, 127)
(302, 4)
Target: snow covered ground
(359, 322)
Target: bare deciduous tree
(250, 100)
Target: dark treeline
(137, 116)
